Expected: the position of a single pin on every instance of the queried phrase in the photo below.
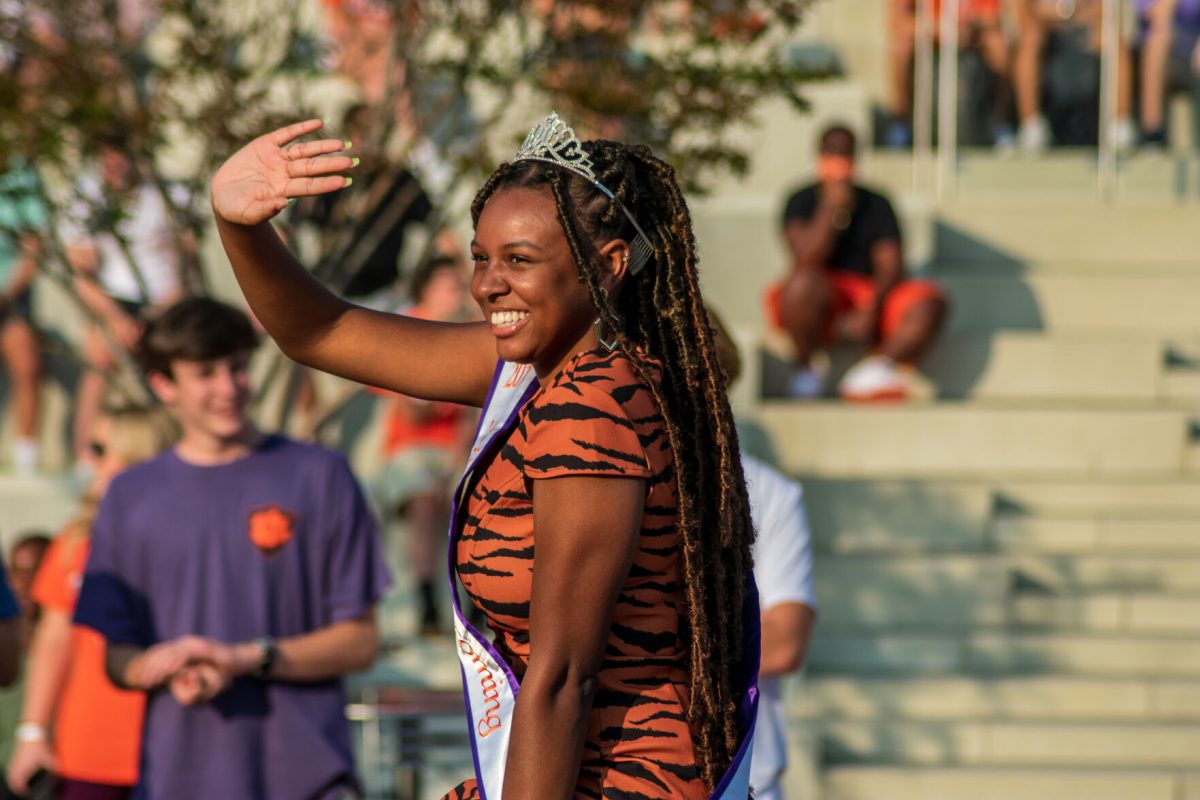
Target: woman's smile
(507, 323)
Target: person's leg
(901, 32)
(997, 57)
(913, 316)
(1156, 48)
(89, 395)
(1027, 77)
(426, 511)
(21, 354)
(805, 303)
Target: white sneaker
(875, 378)
(1124, 135)
(1034, 135)
(805, 383)
(25, 457)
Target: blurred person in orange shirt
(75, 722)
(425, 444)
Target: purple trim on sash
(747, 712)
(471, 731)
(455, 528)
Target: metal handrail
(1106, 152)
(942, 186)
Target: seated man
(847, 282)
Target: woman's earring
(607, 344)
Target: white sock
(25, 456)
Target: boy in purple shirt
(235, 578)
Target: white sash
(489, 686)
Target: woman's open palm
(256, 182)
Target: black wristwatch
(270, 651)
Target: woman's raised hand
(256, 182)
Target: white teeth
(508, 317)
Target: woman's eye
(478, 257)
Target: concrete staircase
(1009, 570)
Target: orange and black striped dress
(596, 418)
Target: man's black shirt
(872, 220)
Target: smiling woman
(606, 458)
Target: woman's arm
(586, 529)
(438, 361)
(46, 670)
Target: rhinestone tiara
(554, 142)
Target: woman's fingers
(312, 167)
(320, 147)
(306, 187)
(294, 131)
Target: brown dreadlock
(660, 312)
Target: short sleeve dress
(597, 417)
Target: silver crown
(555, 142)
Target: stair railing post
(947, 115)
(923, 99)
(1106, 152)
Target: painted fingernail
(348, 144)
(324, 120)
(291, 200)
(349, 181)
(354, 162)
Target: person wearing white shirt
(123, 270)
(783, 570)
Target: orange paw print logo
(270, 528)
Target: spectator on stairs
(847, 282)
(981, 37)
(1170, 61)
(1056, 60)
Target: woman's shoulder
(606, 373)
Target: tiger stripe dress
(595, 418)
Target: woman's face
(526, 282)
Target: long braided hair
(660, 312)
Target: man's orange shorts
(854, 291)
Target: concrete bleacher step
(1052, 698)
(1025, 783)
(1065, 175)
(948, 439)
(1169, 535)
(1104, 305)
(1117, 572)
(1028, 231)
(1109, 593)
(897, 516)
(858, 592)
(1108, 612)
(38, 503)
(1011, 743)
(1153, 498)
(1003, 653)
(1050, 369)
